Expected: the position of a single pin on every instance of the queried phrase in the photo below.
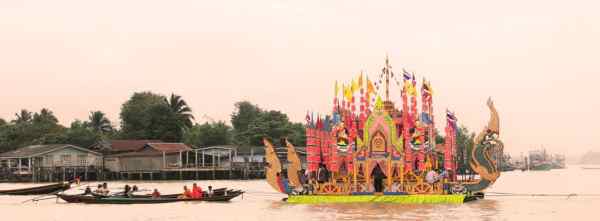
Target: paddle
(39, 197)
(37, 200)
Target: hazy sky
(537, 59)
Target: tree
(23, 117)
(81, 134)
(2, 122)
(464, 146)
(208, 134)
(45, 116)
(298, 134)
(151, 116)
(134, 114)
(162, 124)
(29, 129)
(244, 113)
(98, 122)
(182, 111)
(251, 125)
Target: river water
(262, 203)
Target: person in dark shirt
(127, 190)
(378, 177)
(322, 174)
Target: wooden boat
(39, 190)
(144, 200)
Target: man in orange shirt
(187, 194)
(196, 191)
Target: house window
(82, 160)
(66, 159)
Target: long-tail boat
(367, 150)
(146, 199)
(38, 190)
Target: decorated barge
(369, 150)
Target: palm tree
(45, 115)
(23, 116)
(99, 122)
(182, 111)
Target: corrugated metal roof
(36, 150)
(126, 145)
(169, 147)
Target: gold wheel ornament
(330, 188)
(422, 188)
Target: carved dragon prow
(486, 151)
(294, 165)
(273, 167)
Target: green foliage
(251, 125)
(208, 134)
(182, 111)
(439, 139)
(29, 129)
(298, 134)
(2, 122)
(162, 124)
(135, 117)
(464, 146)
(23, 116)
(152, 116)
(98, 122)
(81, 134)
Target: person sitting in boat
(134, 189)
(187, 194)
(126, 190)
(105, 190)
(101, 190)
(155, 194)
(196, 191)
(210, 191)
(87, 190)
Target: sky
(536, 59)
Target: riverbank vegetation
(152, 116)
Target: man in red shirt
(196, 191)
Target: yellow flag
(360, 80)
(348, 93)
(336, 89)
(409, 88)
(370, 87)
(354, 86)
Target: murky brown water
(261, 203)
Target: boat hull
(397, 199)
(143, 200)
(40, 190)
